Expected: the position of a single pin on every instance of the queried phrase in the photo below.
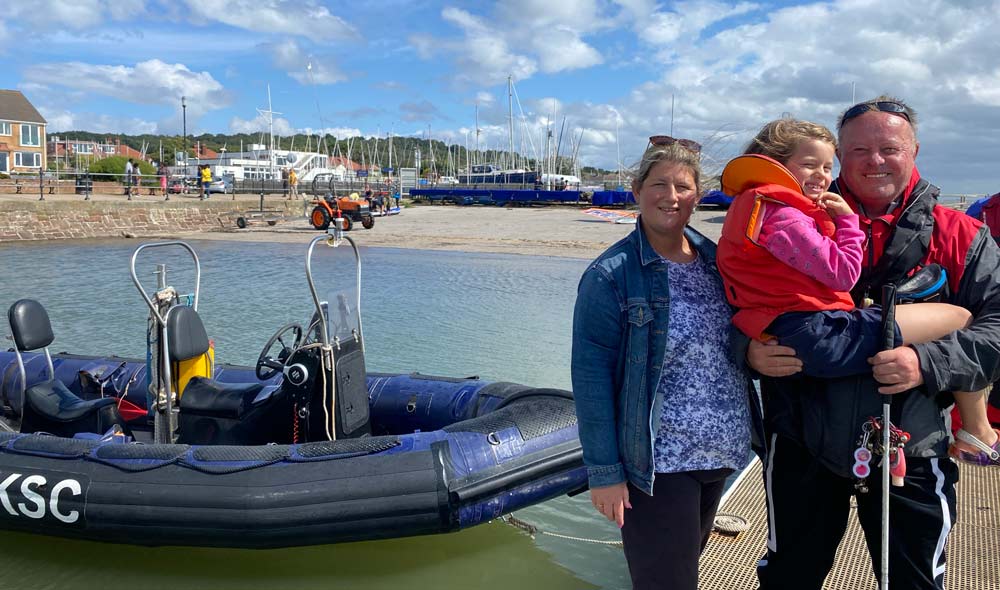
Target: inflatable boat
(304, 448)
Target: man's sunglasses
(884, 106)
(664, 140)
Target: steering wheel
(268, 366)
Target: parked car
(176, 185)
(222, 185)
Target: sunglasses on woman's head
(664, 140)
(882, 106)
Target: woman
(663, 408)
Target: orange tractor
(331, 207)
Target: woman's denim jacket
(619, 336)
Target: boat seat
(211, 398)
(50, 406)
(212, 412)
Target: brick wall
(47, 220)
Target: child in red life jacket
(789, 254)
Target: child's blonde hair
(778, 139)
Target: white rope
(534, 530)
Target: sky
(608, 73)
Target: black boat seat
(212, 398)
(216, 413)
(50, 406)
(53, 400)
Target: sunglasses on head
(883, 106)
(664, 140)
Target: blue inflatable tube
(445, 454)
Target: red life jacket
(756, 282)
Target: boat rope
(534, 530)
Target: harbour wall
(24, 220)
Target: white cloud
(259, 124)
(306, 18)
(685, 23)
(548, 37)
(72, 14)
(562, 49)
(63, 120)
(306, 69)
(483, 56)
(150, 82)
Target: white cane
(888, 343)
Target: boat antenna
(618, 146)
(671, 114)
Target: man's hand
(897, 369)
(611, 501)
(771, 359)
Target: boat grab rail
(145, 296)
(335, 236)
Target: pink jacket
(792, 237)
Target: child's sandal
(970, 449)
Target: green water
(497, 316)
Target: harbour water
(501, 317)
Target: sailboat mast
(476, 159)
(270, 128)
(510, 118)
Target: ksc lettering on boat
(31, 496)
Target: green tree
(116, 165)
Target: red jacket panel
(756, 282)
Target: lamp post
(184, 109)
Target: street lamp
(185, 111)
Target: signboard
(362, 173)
(387, 170)
(407, 180)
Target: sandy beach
(536, 231)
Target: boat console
(322, 394)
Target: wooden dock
(973, 548)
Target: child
(790, 253)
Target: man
(206, 180)
(129, 171)
(814, 425)
(293, 182)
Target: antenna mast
(270, 129)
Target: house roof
(347, 164)
(15, 107)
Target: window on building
(4, 128)
(28, 159)
(83, 148)
(29, 135)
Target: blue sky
(612, 69)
